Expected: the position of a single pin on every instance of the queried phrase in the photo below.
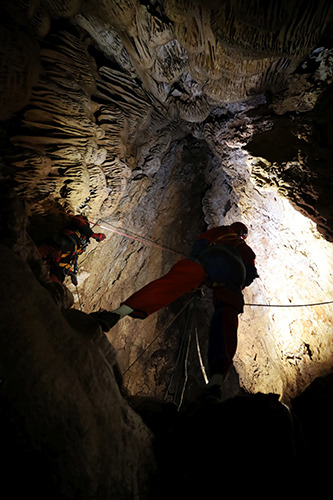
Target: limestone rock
(20, 69)
(158, 119)
(64, 147)
(62, 8)
(65, 424)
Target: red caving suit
(220, 259)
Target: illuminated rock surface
(158, 119)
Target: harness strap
(80, 241)
(218, 284)
(230, 252)
(237, 241)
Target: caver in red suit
(220, 259)
(61, 251)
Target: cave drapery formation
(159, 118)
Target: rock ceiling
(150, 114)
(164, 63)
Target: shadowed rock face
(157, 119)
(66, 429)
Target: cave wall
(157, 119)
(86, 121)
(111, 92)
(66, 430)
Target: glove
(74, 279)
(251, 275)
(99, 236)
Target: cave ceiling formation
(162, 116)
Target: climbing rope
(185, 371)
(111, 228)
(162, 247)
(78, 297)
(145, 241)
(202, 367)
(183, 353)
(135, 237)
(181, 349)
(182, 357)
(290, 305)
(157, 336)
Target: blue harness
(222, 264)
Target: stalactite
(170, 62)
(119, 13)
(67, 56)
(113, 96)
(19, 69)
(117, 174)
(31, 14)
(62, 8)
(107, 39)
(115, 91)
(66, 138)
(156, 118)
(267, 29)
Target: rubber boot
(106, 319)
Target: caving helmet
(239, 229)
